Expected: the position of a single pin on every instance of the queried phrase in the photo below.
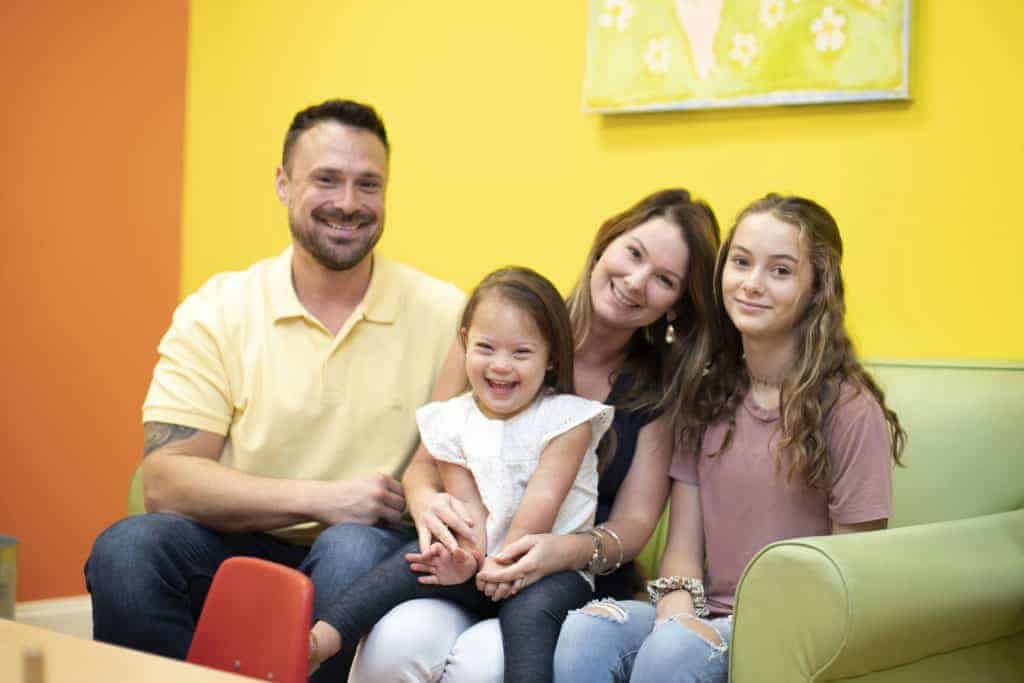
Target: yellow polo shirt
(244, 359)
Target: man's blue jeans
(624, 644)
(149, 574)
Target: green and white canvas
(648, 55)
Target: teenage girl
(519, 451)
(790, 437)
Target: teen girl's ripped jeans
(617, 640)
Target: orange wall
(92, 126)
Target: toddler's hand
(444, 567)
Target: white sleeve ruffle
(440, 424)
(565, 411)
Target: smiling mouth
(622, 298)
(747, 304)
(342, 227)
(499, 386)
(343, 222)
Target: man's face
(334, 189)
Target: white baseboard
(72, 615)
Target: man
(282, 403)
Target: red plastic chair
(256, 621)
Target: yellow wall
(493, 161)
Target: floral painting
(649, 55)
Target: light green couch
(939, 596)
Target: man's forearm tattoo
(158, 434)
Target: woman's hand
(533, 557)
(441, 516)
(496, 590)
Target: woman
(791, 437)
(640, 314)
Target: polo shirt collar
(379, 304)
(284, 303)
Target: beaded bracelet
(658, 588)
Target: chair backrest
(256, 621)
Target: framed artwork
(652, 55)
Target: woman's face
(640, 275)
(767, 278)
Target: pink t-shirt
(746, 505)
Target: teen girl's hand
(673, 604)
(679, 604)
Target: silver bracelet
(598, 562)
(618, 542)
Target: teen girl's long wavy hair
(662, 377)
(825, 359)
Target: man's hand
(363, 500)
(181, 474)
(443, 567)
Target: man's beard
(324, 250)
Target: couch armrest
(834, 607)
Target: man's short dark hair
(345, 112)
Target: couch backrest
(965, 451)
